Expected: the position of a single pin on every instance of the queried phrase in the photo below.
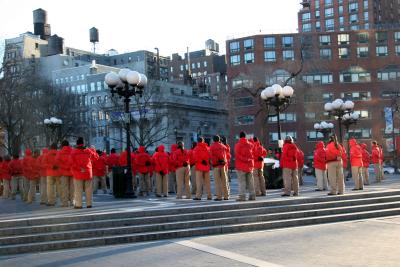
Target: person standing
(320, 166)
(202, 161)
(43, 177)
(381, 161)
(300, 163)
(244, 164)
(27, 170)
(34, 176)
(143, 163)
(99, 173)
(63, 160)
(5, 175)
(81, 166)
(172, 169)
(53, 175)
(366, 158)
(376, 160)
(17, 181)
(334, 155)
(182, 160)
(356, 163)
(289, 165)
(123, 162)
(161, 161)
(219, 161)
(224, 141)
(192, 169)
(112, 161)
(259, 154)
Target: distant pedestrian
(334, 159)
(366, 161)
(356, 162)
(376, 160)
(320, 166)
(289, 165)
(244, 163)
(202, 161)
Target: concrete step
(199, 216)
(192, 231)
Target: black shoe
(226, 198)
(318, 189)
(331, 194)
(196, 198)
(209, 198)
(77, 207)
(295, 195)
(217, 199)
(354, 189)
(158, 195)
(285, 195)
(89, 207)
(50, 205)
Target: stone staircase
(86, 230)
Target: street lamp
(127, 83)
(176, 134)
(324, 128)
(338, 108)
(54, 123)
(349, 119)
(279, 98)
(395, 107)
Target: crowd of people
(68, 172)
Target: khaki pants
(144, 183)
(26, 189)
(193, 179)
(6, 188)
(17, 182)
(203, 179)
(378, 172)
(32, 191)
(67, 190)
(290, 181)
(382, 173)
(182, 180)
(246, 183)
(102, 181)
(336, 177)
(365, 175)
(79, 187)
(43, 190)
(300, 170)
(259, 182)
(161, 184)
(221, 182)
(356, 173)
(172, 182)
(53, 186)
(110, 176)
(322, 179)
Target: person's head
(374, 143)
(242, 135)
(200, 140)
(194, 144)
(99, 152)
(64, 143)
(216, 138)
(223, 139)
(113, 151)
(53, 146)
(288, 139)
(181, 145)
(36, 153)
(16, 156)
(255, 139)
(79, 141)
(333, 139)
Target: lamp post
(349, 119)
(338, 109)
(176, 134)
(324, 128)
(54, 124)
(126, 84)
(280, 99)
(394, 108)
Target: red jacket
(16, 167)
(289, 157)
(218, 154)
(172, 166)
(99, 166)
(244, 155)
(30, 166)
(228, 154)
(320, 156)
(381, 155)
(123, 161)
(355, 154)
(42, 166)
(50, 161)
(366, 157)
(332, 153)
(344, 156)
(259, 153)
(5, 170)
(142, 161)
(81, 162)
(181, 157)
(202, 157)
(63, 159)
(375, 154)
(300, 158)
(161, 160)
(191, 158)
(112, 160)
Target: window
(249, 58)
(317, 14)
(328, 2)
(381, 37)
(283, 117)
(193, 65)
(241, 83)
(353, 18)
(324, 39)
(362, 37)
(99, 100)
(106, 99)
(244, 120)
(269, 56)
(198, 65)
(353, 7)
(381, 51)
(341, 21)
(397, 37)
(318, 78)
(181, 67)
(234, 47)
(362, 51)
(329, 12)
(344, 52)
(92, 87)
(349, 77)
(389, 75)
(327, 97)
(397, 50)
(287, 41)
(273, 136)
(309, 115)
(316, 3)
(343, 39)
(306, 16)
(306, 27)
(99, 86)
(92, 101)
(325, 53)
(243, 102)
(235, 60)
(248, 44)
(359, 133)
(288, 55)
(269, 42)
(356, 96)
(318, 26)
(329, 25)
(205, 64)
(366, 16)
(365, 4)
(340, 9)
(279, 76)
(314, 136)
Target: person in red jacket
(244, 164)
(192, 169)
(123, 162)
(142, 163)
(161, 161)
(259, 153)
(224, 141)
(334, 160)
(381, 160)
(366, 158)
(320, 166)
(202, 162)
(99, 168)
(172, 169)
(43, 177)
(219, 161)
(53, 175)
(82, 159)
(63, 160)
(17, 181)
(27, 171)
(182, 160)
(356, 163)
(112, 161)
(5, 175)
(34, 175)
(376, 160)
(289, 165)
(300, 159)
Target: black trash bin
(272, 176)
(119, 181)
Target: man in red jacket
(259, 153)
(17, 181)
(99, 173)
(192, 169)
(53, 175)
(27, 171)
(81, 166)
(181, 159)
(219, 161)
(63, 160)
(334, 161)
(34, 176)
(381, 157)
(244, 164)
(289, 165)
(5, 175)
(376, 160)
(112, 161)
(172, 169)
(202, 161)
(320, 166)
(224, 141)
(142, 163)
(43, 177)
(161, 161)
(366, 158)
(356, 164)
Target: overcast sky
(170, 25)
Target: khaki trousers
(193, 179)
(246, 183)
(182, 180)
(221, 182)
(300, 170)
(26, 189)
(102, 181)
(161, 184)
(67, 190)
(382, 173)
(203, 179)
(110, 176)
(32, 191)
(228, 179)
(17, 182)
(172, 182)
(356, 173)
(53, 186)
(336, 177)
(6, 188)
(43, 190)
(79, 187)
(365, 175)
(259, 182)
(322, 179)
(378, 172)
(290, 181)
(145, 183)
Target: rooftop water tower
(94, 37)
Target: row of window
(83, 88)
(70, 79)
(364, 133)
(329, 11)
(194, 65)
(353, 6)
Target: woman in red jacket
(289, 165)
(81, 166)
(356, 163)
(181, 159)
(5, 175)
(161, 160)
(366, 158)
(63, 160)
(53, 175)
(259, 154)
(142, 163)
(334, 160)
(17, 180)
(244, 164)
(172, 169)
(33, 176)
(219, 161)
(112, 161)
(202, 161)
(192, 169)
(376, 160)
(43, 177)
(320, 166)
(99, 173)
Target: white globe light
(142, 81)
(346, 116)
(277, 88)
(328, 106)
(337, 104)
(122, 74)
(330, 125)
(264, 94)
(133, 77)
(287, 91)
(53, 120)
(355, 116)
(60, 121)
(270, 92)
(324, 125)
(112, 79)
(317, 126)
(47, 121)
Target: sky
(170, 25)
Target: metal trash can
(272, 174)
(119, 181)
